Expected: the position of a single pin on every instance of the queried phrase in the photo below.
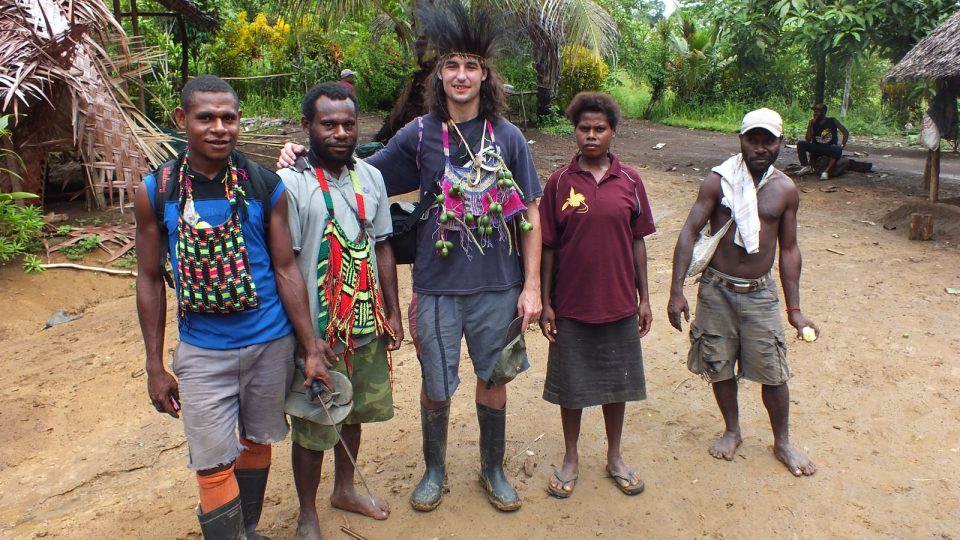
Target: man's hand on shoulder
(289, 153)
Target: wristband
(795, 308)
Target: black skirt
(595, 364)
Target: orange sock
(255, 456)
(217, 489)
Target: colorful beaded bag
(212, 262)
(478, 200)
(350, 304)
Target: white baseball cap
(762, 118)
(346, 73)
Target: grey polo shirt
(307, 214)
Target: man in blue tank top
(240, 301)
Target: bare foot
(353, 502)
(308, 528)
(796, 461)
(726, 446)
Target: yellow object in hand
(809, 334)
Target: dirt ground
(874, 399)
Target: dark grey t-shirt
(497, 269)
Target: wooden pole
(926, 171)
(135, 23)
(185, 45)
(921, 226)
(935, 176)
(116, 10)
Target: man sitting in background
(821, 141)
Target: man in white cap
(347, 78)
(738, 330)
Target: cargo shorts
(738, 331)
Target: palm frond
(57, 63)
(581, 21)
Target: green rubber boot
(429, 492)
(253, 487)
(493, 427)
(223, 523)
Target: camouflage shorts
(372, 397)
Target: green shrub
(381, 65)
(75, 252)
(581, 70)
(19, 225)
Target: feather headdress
(455, 29)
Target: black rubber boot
(223, 523)
(428, 493)
(493, 427)
(253, 486)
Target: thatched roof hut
(68, 93)
(937, 56)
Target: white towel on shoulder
(740, 196)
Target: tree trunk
(935, 176)
(821, 81)
(546, 58)
(410, 104)
(846, 88)
(412, 101)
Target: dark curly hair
(593, 102)
(332, 90)
(206, 83)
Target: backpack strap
(166, 179)
(258, 185)
(426, 196)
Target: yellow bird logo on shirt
(576, 200)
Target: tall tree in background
(840, 31)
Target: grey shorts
(482, 318)
(230, 391)
(733, 326)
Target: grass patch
(555, 125)
(286, 107)
(863, 121)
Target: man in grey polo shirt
(340, 221)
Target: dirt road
(874, 400)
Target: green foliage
(32, 264)
(382, 68)
(76, 251)
(126, 262)
(581, 70)
(696, 64)
(4, 152)
(248, 47)
(516, 68)
(162, 84)
(19, 225)
(555, 125)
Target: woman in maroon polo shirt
(594, 215)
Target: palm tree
(548, 24)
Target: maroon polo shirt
(591, 228)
